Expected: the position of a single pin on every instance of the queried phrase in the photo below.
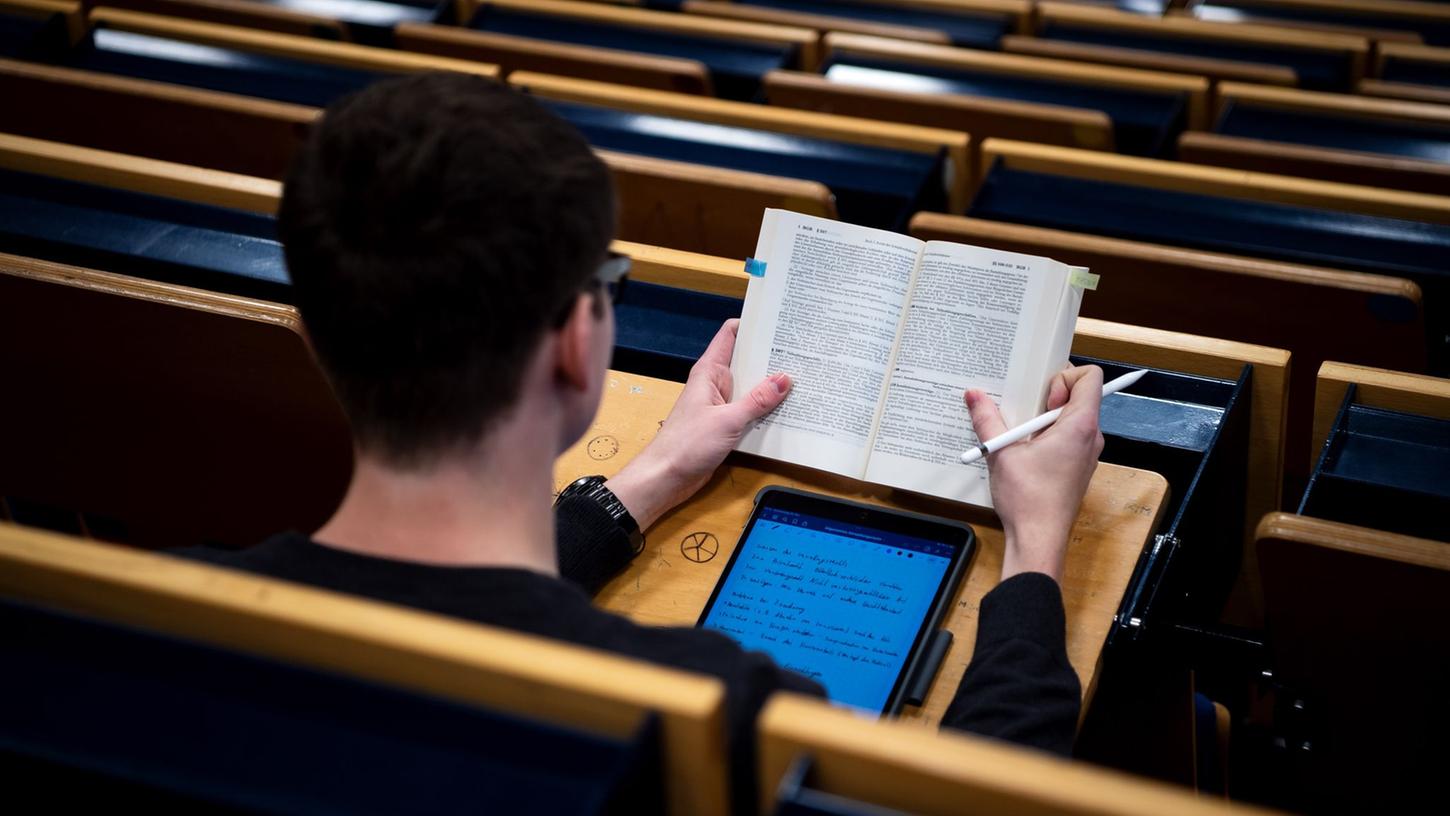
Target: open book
(882, 334)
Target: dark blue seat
(1411, 140)
(878, 187)
(37, 38)
(1344, 240)
(1433, 33)
(1144, 124)
(1384, 470)
(141, 235)
(371, 22)
(736, 67)
(1315, 69)
(660, 331)
(1417, 73)
(134, 718)
(1239, 226)
(1195, 432)
(981, 30)
(218, 69)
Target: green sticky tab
(754, 268)
(1080, 277)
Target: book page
(973, 322)
(826, 312)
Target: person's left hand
(702, 428)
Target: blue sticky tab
(754, 268)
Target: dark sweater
(1019, 686)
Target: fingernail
(781, 382)
(972, 399)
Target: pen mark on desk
(603, 447)
(699, 547)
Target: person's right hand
(1038, 483)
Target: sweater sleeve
(1020, 686)
(592, 548)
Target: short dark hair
(434, 225)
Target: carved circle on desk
(602, 447)
(699, 547)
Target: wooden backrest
(850, 129)
(1409, 52)
(1170, 28)
(704, 209)
(140, 175)
(170, 414)
(804, 39)
(1349, 166)
(1376, 388)
(221, 131)
(1437, 57)
(512, 53)
(981, 117)
(909, 769)
(1374, 19)
(1018, 10)
(674, 204)
(347, 55)
(1105, 76)
(1216, 181)
(1356, 624)
(450, 659)
(241, 13)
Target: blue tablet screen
(840, 603)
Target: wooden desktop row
(873, 763)
(264, 339)
(1207, 92)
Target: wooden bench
(975, 23)
(1241, 52)
(867, 132)
(1356, 615)
(446, 659)
(513, 53)
(1335, 137)
(812, 755)
(1408, 71)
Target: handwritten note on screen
(836, 602)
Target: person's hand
(1038, 483)
(702, 428)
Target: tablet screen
(840, 602)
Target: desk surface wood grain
(672, 579)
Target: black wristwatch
(592, 487)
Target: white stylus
(1032, 426)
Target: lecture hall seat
(1357, 640)
(1241, 52)
(1382, 441)
(1127, 109)
(163, 415)
(282, 67)
(967, 23)
(1410, 71)
(1358, 140)
(1381, 20)
(738, 54)
(1273, 217)
(223, 689)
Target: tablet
(847, 594)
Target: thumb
(986, 419)
(765, 397)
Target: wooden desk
(671, 581)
